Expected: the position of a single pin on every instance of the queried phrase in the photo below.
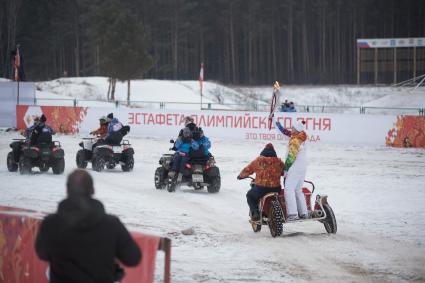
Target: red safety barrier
(20, 264)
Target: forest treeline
(239, 41)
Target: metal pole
(395, 65)
(376, 65)
(17, 97)
(358, 65)
(414, 64)
(201, 98)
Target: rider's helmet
(188, 120)
(198, 133)
(103, 120)
(187, 133)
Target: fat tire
(44, 168)
(12, 166)
(58, 166)
(275, 219)
(159, 178)
(98, 163)
(110, 165)
(215, 185)
(128, 163)
(330, 221)
(80, 159)
(171, 185)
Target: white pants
(294, 197)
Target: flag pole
(17, 100)
(201, 80)
(17, 63)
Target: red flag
(201, 76)
(17, 64)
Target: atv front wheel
(44, 167)
(58, 166)
(12, 166)
(159, 178)
(275, 219)
(330, 221)
(215, 185)
(24, 165)
(98, 163)
(171, 185)
(80, 159)
(110, 165)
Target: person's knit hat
(43, 118)
(110, 116)
(268, 151)
(299, 126)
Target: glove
(91, 133)
(238, 177)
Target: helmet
(188, 120)
(102, 120)
(187, 133)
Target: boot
(255, 215)
(292, 217)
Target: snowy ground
(377, 194)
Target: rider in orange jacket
(268, 169)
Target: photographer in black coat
(81, 242)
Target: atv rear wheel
(159, 178)
(275, 219)
(128, 163)
(330, 221)
(58, 166)
(98, 163)
(12, 166)
(24, 165)
(215, 185)
(80, 159)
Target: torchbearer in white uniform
(295, 170)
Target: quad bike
(273, 211)
(44, 155)
(105, 155)
(199, 172)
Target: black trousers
(256, 193)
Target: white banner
(329, 128)
(391, 42)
